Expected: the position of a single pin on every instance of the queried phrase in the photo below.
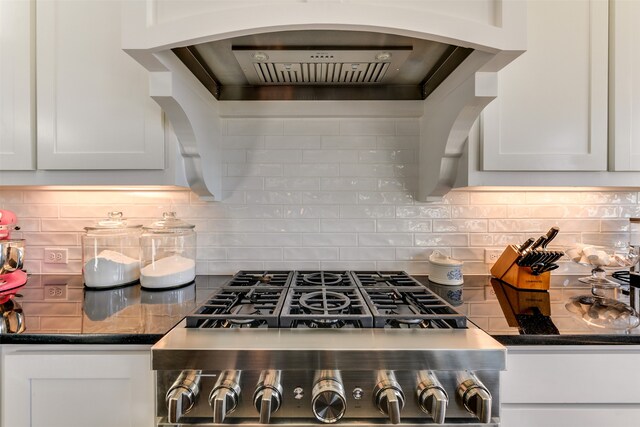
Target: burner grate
(325, 307)
(322, 279)
(378, 279)
(411, 308)
(239, 308)
(255, 279)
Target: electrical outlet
(56, 256)
(55, 291)
(492, 255)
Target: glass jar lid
(169, 222)
(115, 221)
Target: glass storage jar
(168, 253)
(111, 252)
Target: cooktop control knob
(475, 396)
(224, 395)
(182, 394)
(328, 401)
(268, 395)
(388, 395)
(432, 397)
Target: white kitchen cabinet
(93, 104)
(624, 105)
(551, 109)
(570, 386)
(17, 90)
(77, 386)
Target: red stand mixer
(11, 254)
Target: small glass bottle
(168, 253)
(111, 252)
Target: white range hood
(215, 58)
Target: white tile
(460, 225)
(483, 211)
(212, 254)
(416, 254)
(10, 196)
(496, 239)
(613, 225)
(352, 184)
(255, 211)
(251, 239)
(542, 225)
(407, 266)
(81, 197)
(367, 211)
(33, 211)
(73, 267)
(348, 265)
(330, 239)
(246, 142)
(468, 254)
(27, 224)
(254, 254)
(405, 142)
(292, 226)
(385, 239)
(406, 170)
(406, 225)
(249, 126)
(319, 170)
(52, 239)
(456, 197)
(384, 198)
(292, 142)
(435, 211)
(367, 254)
(309, 211)
(274, 156)
(347, 225)
(497, 198)
(292, 265)
(273, 197)
(254, 169)
(387, 156)
(367, 170)
(310, 254)
(348, 142)
(408, 127)
(367, 127)
(235, 225)
(292, 183)
(311, 127)
(243, 183)
(228, 267)
(233, 197)
(64, 225)
(393, 184)
(477, 267)
(234, 156)
(329, 197)
(330, 156)
(436, 239)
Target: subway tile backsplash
(324, 193)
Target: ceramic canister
(445, 270)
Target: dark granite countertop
(59, 310)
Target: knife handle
(551, 234)
(537, 243)
(525, 245)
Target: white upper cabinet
(17, 107)
(94, 109)
(624, 96)
(551, 109)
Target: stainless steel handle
(268, 395)
(475, 396)
(551, 234)
(432, 397)
(389, 396)
(224, 396)
(182, 394)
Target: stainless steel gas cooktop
(308, 347)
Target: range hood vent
(320, 66)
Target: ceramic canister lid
(438, 258)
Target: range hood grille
(317, 67)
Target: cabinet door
(624, 113)
(17, 107)
(77, 389)
(94, 109)
(551, 109)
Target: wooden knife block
(508, 271)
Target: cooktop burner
(325, 299)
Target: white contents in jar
(173, 270)
(110, 268)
